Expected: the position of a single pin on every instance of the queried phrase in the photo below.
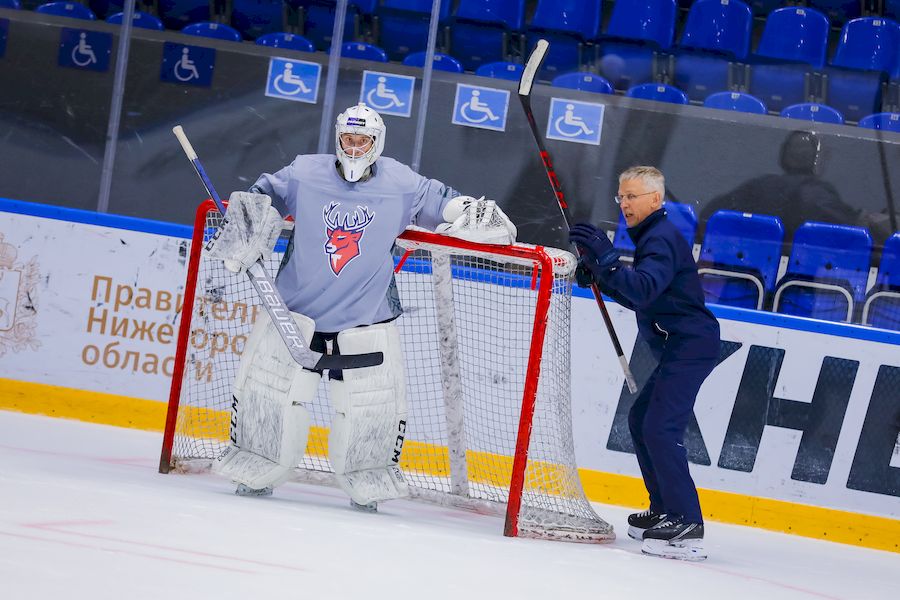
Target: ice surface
(85, 515)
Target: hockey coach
(663, 288)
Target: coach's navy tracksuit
(663, 289)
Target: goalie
(337, 278)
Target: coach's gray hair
(650, 176)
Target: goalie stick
(272, 300)
(525, 84)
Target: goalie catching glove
(477, 220)
(248, 233)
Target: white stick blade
(185, 144)
(532, 66)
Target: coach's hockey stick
(525, 84)
(272, 300)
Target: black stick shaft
(525, 97)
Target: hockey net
(485, 334)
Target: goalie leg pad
(269, 421)
(369, 426)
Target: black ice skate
(673, 538)
(243, 490)
(640, 522)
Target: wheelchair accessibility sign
(573, 121)
(81, 49)
(387, 93)
(296, 80)
(481, 107)
(187, 65)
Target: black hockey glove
(598, 253)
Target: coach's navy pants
(657, 422)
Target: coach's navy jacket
(663, 289)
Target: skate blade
(636, 533)
(690, 550)
(243, 490)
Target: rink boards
(796, 429)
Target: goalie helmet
(360, 120)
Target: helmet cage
(359, 120)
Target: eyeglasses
(629, 197)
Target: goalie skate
(244, 490)
(371, 507)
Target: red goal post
(485, 334)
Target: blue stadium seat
(827, 272)
(67, 9)
(811, 111)
(140, 19)
(175, 14)
(882, 308)
(867, 53)
(735, 101)
(567, 25)
(716, 33)
(838, 11)
(681, 215)
(637, 32)
(286, 40)
(441, 62)
(403, 25)
(643, 20)
(481, 30)
(794, 41)
(216, 31)
(254, 18)
(318, 19)
(739, 258)
(586, 82)
(501, 70)
(363, 52)
(659, 92)
(13, 4)
(796, 34)
(883, 121)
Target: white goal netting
(485, 335)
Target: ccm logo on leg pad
(398, 445)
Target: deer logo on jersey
(344, 234)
